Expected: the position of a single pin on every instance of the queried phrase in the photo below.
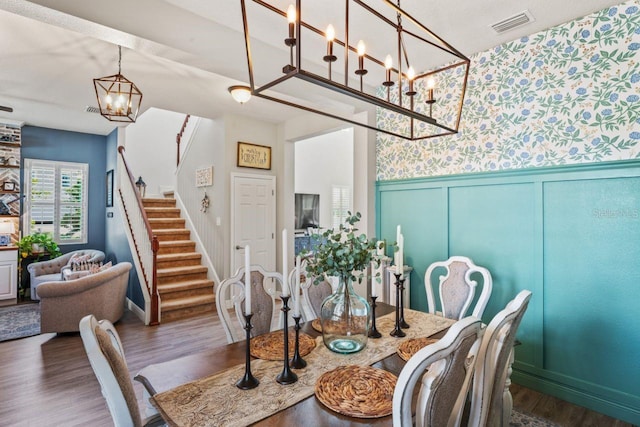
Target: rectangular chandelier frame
(414, 117)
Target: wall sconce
(141, 186)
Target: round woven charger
(317, 325)
(271, 346)
(411, 346)
(357, 391)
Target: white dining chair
(266, 288)
(312, 295)
(444, 386)
(457, 289)
(106, 356)
(491, 401)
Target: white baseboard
(135, 309)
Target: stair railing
(179, 138)
(145, 242)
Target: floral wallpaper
(566, 95)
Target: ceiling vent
(515, 21)
(7, 109)
(92, 109)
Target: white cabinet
(8, 273)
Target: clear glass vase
(345, 318)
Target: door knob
(238, 247)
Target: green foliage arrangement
(341, 252)
(44, 240)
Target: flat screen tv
(307, 211)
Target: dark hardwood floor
(46, 380)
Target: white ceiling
(184, 54)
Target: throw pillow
(105, 266)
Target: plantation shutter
(57, 199)
(340, 204)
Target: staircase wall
(206, 148)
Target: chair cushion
(38, 280)
(120, 371)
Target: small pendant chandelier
(119, 99)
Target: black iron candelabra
(403, 324)
(397, 331)
(373, 332)
(297, 362)
(287, 376)
(248, 381)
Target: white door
(253, 220)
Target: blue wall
(569, 234)
(65, 146)
(117, 245)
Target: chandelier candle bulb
(411, 75)
(285, 266)
(361, 51)
(431, 84)
(292, 16)
(388, 64)
(331, 35)
(247, 280)
(296, 308)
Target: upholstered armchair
(47, 271)
(64, 303)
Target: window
(56, 199)
(340, 204)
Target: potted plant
(346, 255)
(38, 243)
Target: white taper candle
(296, 309)
(285, 265)
(374, 270)
(247, 280)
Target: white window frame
(339, 213)
(29, 164)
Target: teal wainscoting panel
(592, 281)
(494, 226)
(422, 216)
(569, 234)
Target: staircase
(183, 286)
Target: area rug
(19, 321)
(518, 419)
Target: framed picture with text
(254, 156)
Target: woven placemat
(270, 346)
(357, 391)
(411, 346)
(317, 325)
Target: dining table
(180, 388)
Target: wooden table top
(165, 376)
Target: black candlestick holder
(287, 376)
(397, 331)
(373, 332)
(297, 362)
(403, 324)
(248, 381)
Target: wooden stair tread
(177, 243)
(171, 231)
(179, 303)
(181, 256)
(189, 269)
(153, 221)
(186, 284)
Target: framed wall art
(110, 188)
(254, 156)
